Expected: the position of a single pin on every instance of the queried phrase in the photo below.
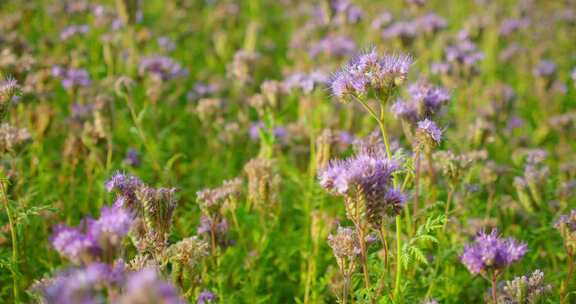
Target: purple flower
(369, 70)
(464, 52)
(489, 252)
(166, 43)
(73, 30)
(123, 183)
(132, 158)
(364, 171)
(206, 297)
(113, 224)
(381, 20)
(147, 287)
(333, 46)
(545, 69)
(430, 23)
(71, 78)
(430, 129)
(405, 30)
(161, 67)
(428, 97)
(404, 110)
(511, 25)
(73, 244)
(81, 285)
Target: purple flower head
(429, 129)
(366, 172)
(489, 252)
(345, 84)
(396, 66)
(405, 30)
(73, 30)
(440, 68)
(147, 287)
(404, 110)
(166, 43)
(381, 20)
(430, 23)
(113, 224)
(304, 82)
(73, 244)
(333, 46)
(161, 67)
(566, 225)
(123, 183)
(511, 25)
(545, 69)
(464, 52)
(72, 78)
(429, 98)
(206, 297)
(132, 158)
(80, 285)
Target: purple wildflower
(113, 224)
(368, 176)
(430, 130)
(206, 297)
(404, 110)
(511, 25)
(73, 244)
(464, 52)
(81, 285)
(146, 286)
(132, 158)
(429, 98)
(489, 252)
(405, 30)
(71, 77)
(73, 30)
(545, 69)
(162, 67)
(166, 43)
(430, 23)
(333, 46)
(123, 183)
(381, 20)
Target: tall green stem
(14, 266)
(398, 254)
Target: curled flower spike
(428, 134)
(344, 243)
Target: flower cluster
(71, 78)
(490, 253)
(95, 239)
(566, 224)
(370, 71)
(161, 67)
(525, 289)
(365, 178)
(425, 101)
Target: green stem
(14, 266)
(398, 254)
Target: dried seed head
(188, 252)
(12, 138)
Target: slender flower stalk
(13, 236)
(382, 75)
